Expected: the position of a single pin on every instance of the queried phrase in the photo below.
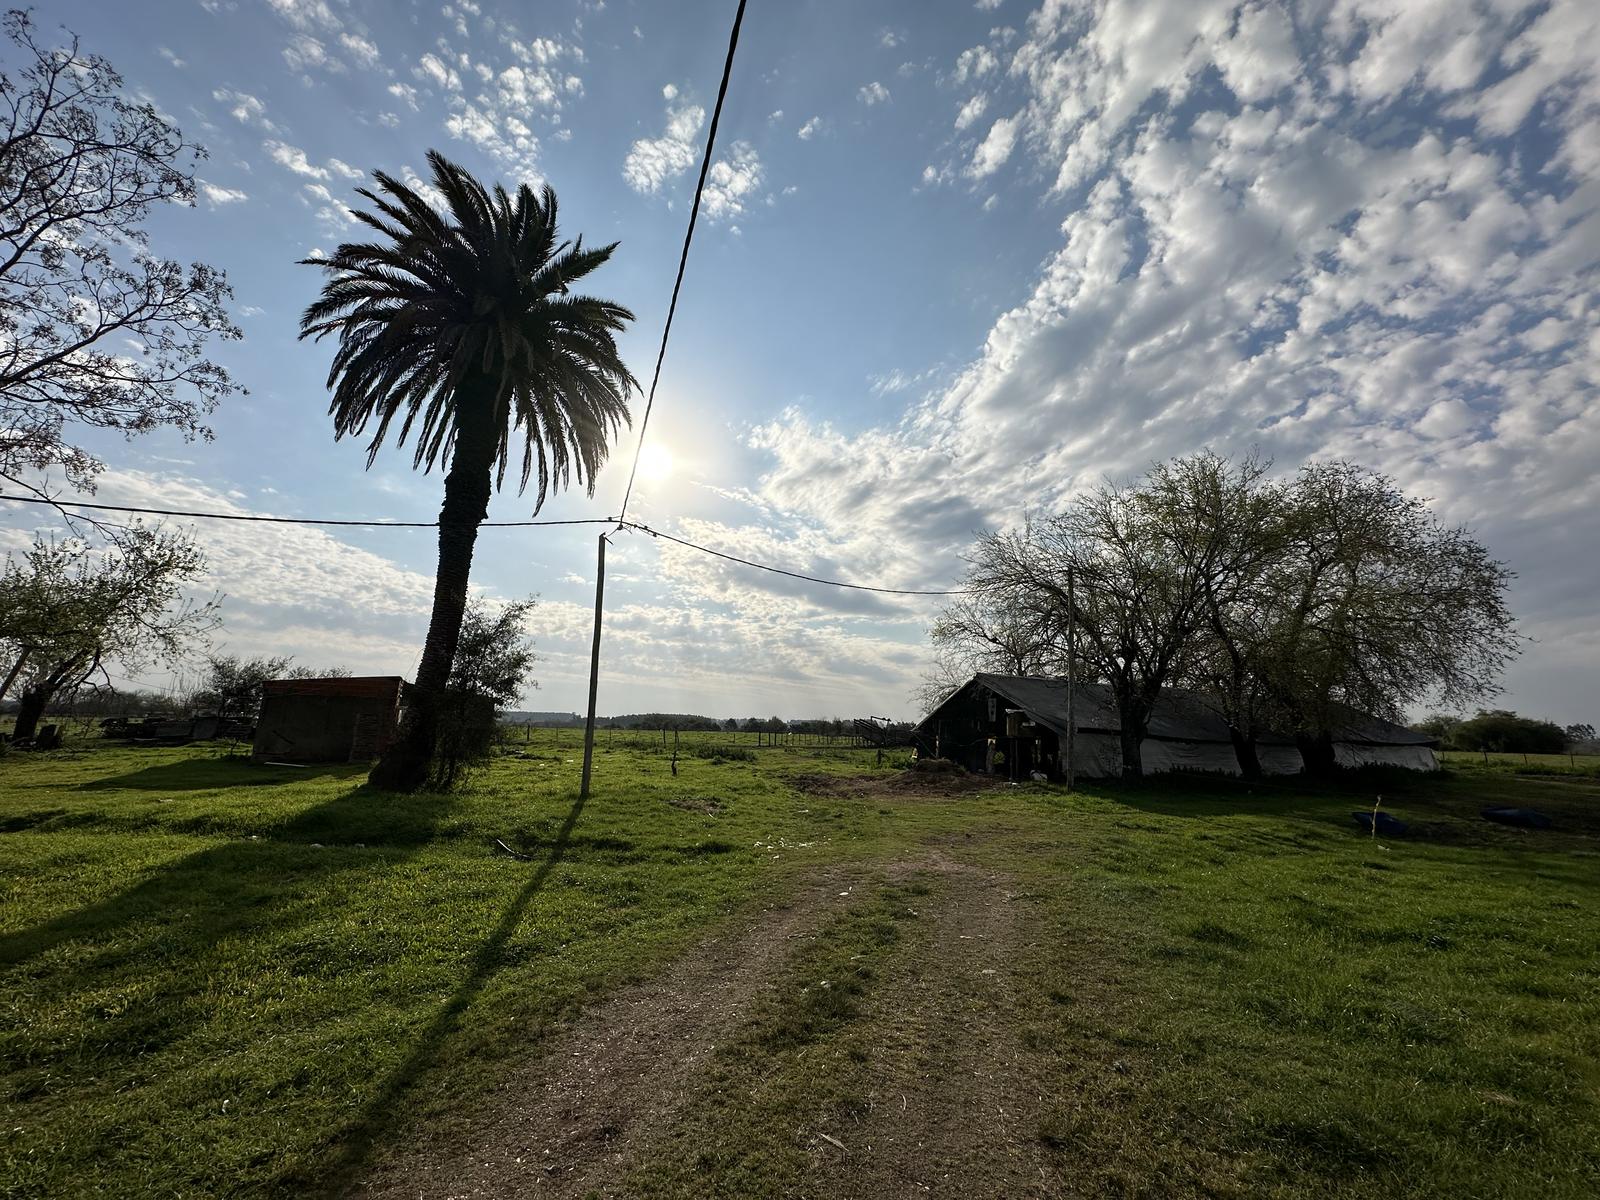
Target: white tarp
(1100, 757)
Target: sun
(655, 462)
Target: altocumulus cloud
(1374, 236)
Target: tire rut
(954, 1107)
(572, 1121)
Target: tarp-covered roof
(1179, 715)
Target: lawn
(226, 979)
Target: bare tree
(1137, 595)
(984, 633)
(94, 329)
(67, 609)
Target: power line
(219, 516)
(618, 522)
(745, 562)
(683, 259)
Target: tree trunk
(1316, 752)
(16, 669)
(32, 707)
(1244, 749)
(1131, 735)
(406, 765)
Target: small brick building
(349, 719)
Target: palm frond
(471, 308)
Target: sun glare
(655, 462)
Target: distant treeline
(688, 722)
(1500, 731)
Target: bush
(469, 726)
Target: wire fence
(688, 740)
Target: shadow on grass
(239, 888)
(209, 772)
(383, 1113)
(1442, 807)
(1192, 794)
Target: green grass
(223, 979)
(1522, 764)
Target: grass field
(224, 979)
(1524, 764)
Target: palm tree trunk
(407, 764)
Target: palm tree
(460, 330)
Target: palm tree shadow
(240, 887)
(210, 772)
(382, 1113)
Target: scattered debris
(833, 1141)
(517, 854)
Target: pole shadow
(381, 1114)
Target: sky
(956, 261)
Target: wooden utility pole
(1072, 679)
(594, 669)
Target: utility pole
(1072, 677)
(594, 669)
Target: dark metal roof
(1179, 715)
(350, 687)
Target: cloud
(434, 69)
(993, 151)
(332, 215)
(653, 161)
(498, 117)
(344, 169)
(292, 589)
(405, 93)
(731, 182)
(975, 63)
(172, 58)
(307, 14)
(971, 110)
(873, 93)
(810, 129)
(294, 159)
(304, 52)
(1285, 244)
(423, 188)
(217, 196)
(244, 108)
(362, 51)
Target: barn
(340, 719)
(1017, 724)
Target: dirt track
(573, 1121)
(951, 1108)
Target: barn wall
(1279, 760)
(1157, 755)
(301, 728)
(1413, 758)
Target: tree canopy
(1286, 603)
(95, 329)
(68, 608)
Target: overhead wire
(196, 514)
(620, 521)
(219, 516)
(760, 566)
(683, 258)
